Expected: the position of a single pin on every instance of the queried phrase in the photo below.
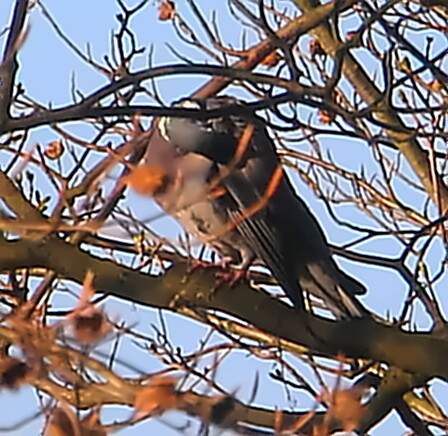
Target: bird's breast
(194, 199)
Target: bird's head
(212, 137)
(169, 126)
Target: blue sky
(48, 68)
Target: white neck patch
(164, 122)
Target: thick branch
(88, 108)
(420, 353)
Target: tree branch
(402, 137)
(82, 110)
(9, 65)
(420, 353)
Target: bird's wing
(286, 236)
(253, 225)
(280, 228)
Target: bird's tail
(351, 306)
(336, 289)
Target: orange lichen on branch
(325, 117)
(272, 59)
(158, 397)
(167, 11)
(146, 179)
(88, 322)
(54, 149)
(89, 325)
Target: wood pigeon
(225, 184)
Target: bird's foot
(230, 278)
(199, 264)
(224, 275)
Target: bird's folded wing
(254, 226)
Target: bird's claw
(230, 278)
(199, 264)
(223, 277)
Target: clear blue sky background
(47, 68)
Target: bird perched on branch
(225, 184)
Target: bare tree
(372, 73)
